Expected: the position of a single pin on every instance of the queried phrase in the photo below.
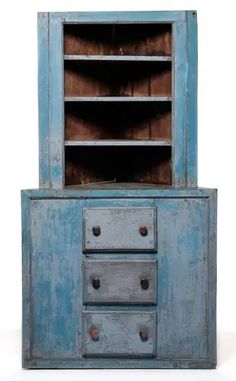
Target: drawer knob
(143, 231)
(94, 334)
(96, 230)
(143, 335)
(96, 283)
(144, 284)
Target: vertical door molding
(56, 101)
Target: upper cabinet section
(117, 98)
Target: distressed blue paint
(191, 99)
(43, 100)
(88, 192)
(184, 150)
(56, 313)
(186, 279)
(56, 102)
(179, 105)
(212, 275)
(26, 286)
(120, 17)
(182, 329)
(56, 277)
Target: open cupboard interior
(118, 105)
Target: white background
(19, 163)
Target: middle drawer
(119, 281)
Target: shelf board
(117, 99)
(133, 143)
(74, 57)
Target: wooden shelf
(134, 143)
(74, 57)
(117, 99)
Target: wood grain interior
(84, 165)
(110, 78)
(118, 120)
(122, 39)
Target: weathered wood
(114, 236)
(154, 31)
(144, 164)
(43, 100)
(191, 99)
(179, 105)
(118, 39)
(120, 270)
(117, 143)
(84, 57)
(119, 281)
(56, 109)
(117, 99)
(119, 334)
(185, 288)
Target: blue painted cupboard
(119, 243)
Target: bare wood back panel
(117, 120)
(110, 78)
(122, 39)
(120, 164)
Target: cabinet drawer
(129, 334)
(119, 281)
(119, 229)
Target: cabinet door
(56, 278)
(183, 326)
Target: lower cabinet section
(126, 334)
(98, 308)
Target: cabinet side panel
(26, 247)
(43, 100)
(56, 279)
(182, 279)
(212, 275)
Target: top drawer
(119, 229)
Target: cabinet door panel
(56, 279)
(182, 327)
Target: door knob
(94, 334)
(143, 335)
(144, 284)
(143, 231)
(96, 283)
(96, 230)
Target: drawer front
(119, 229)
(120, 281)
(129, 334)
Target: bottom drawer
(126, 334)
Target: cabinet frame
(51, 89)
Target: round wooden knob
(143, 231)
(143, 335)
(144, 284)
(94, 334)
(96, 283)
(96, 230)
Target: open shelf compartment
(86, 165)
(117, 121)
(118, 39)
(118, 103)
